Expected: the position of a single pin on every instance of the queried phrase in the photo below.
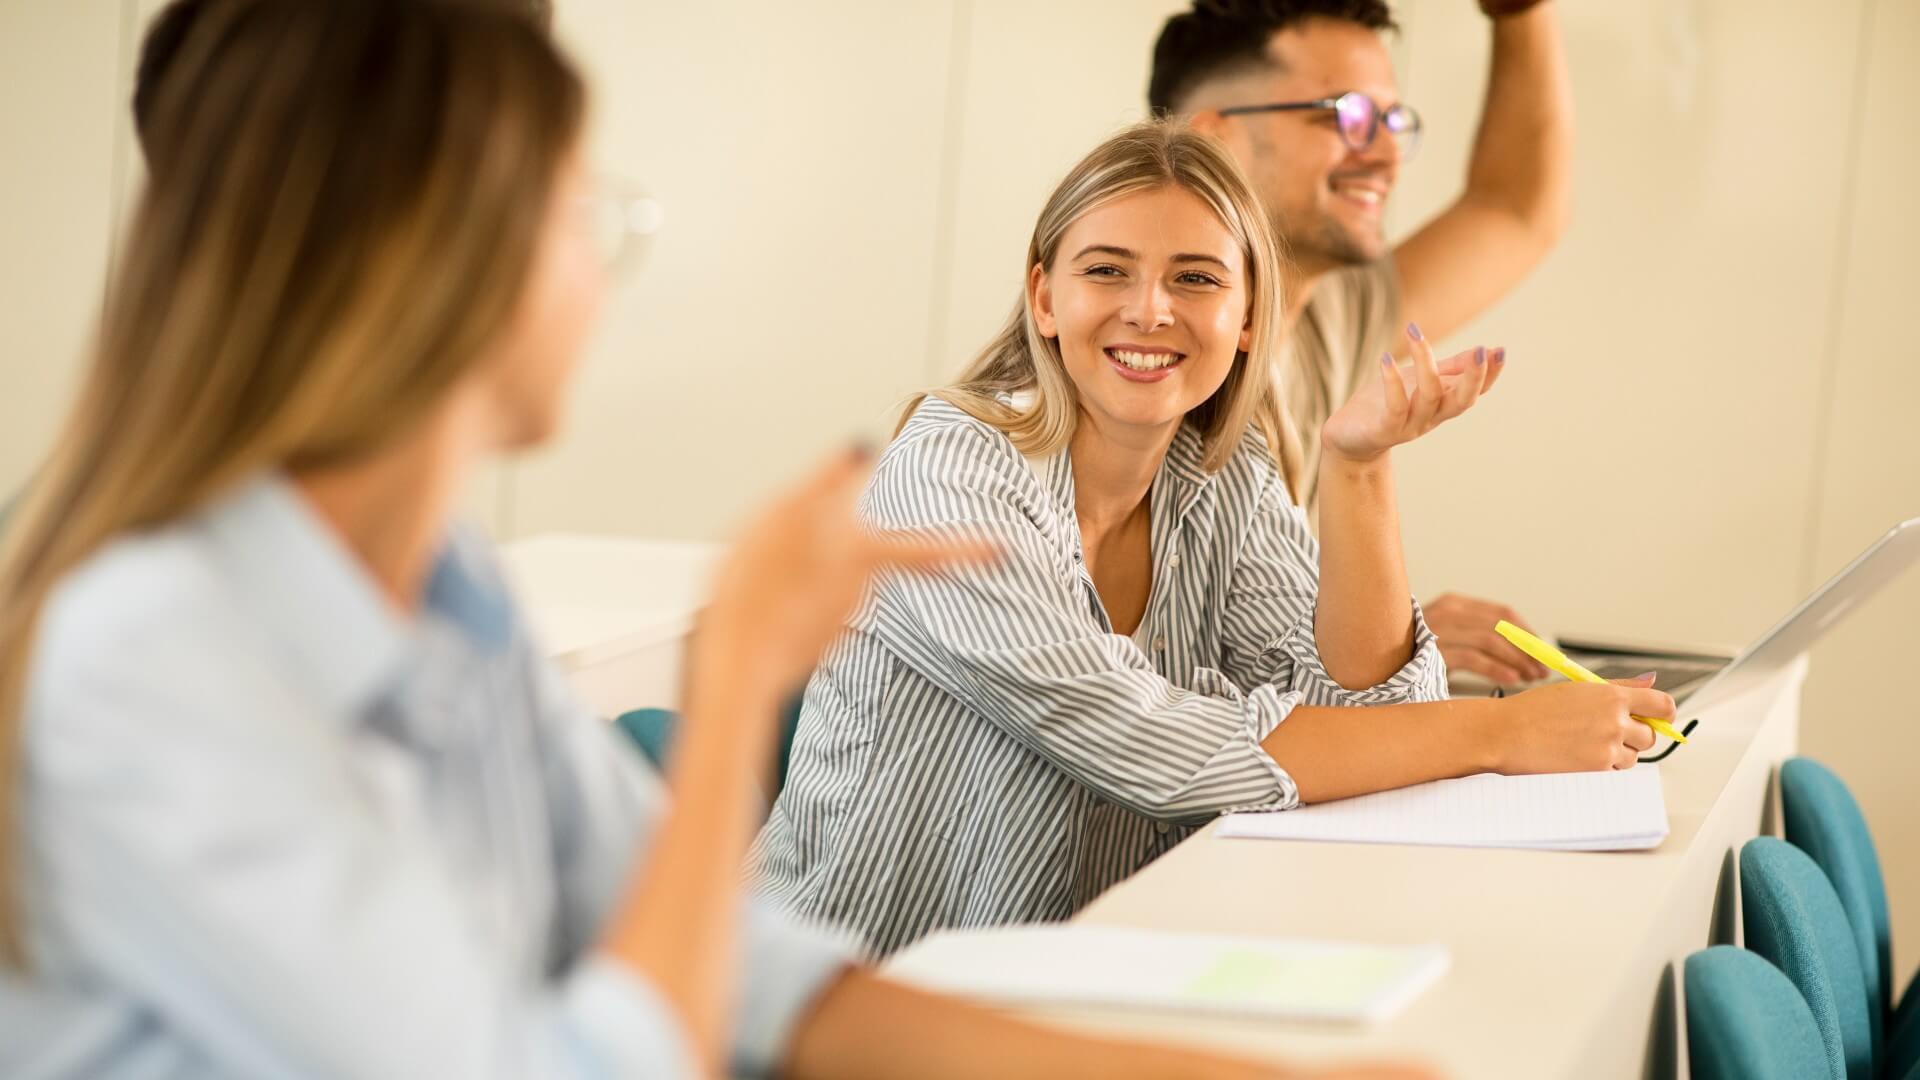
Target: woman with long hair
(285, 789)
(1163, 640)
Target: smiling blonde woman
(1164, 639)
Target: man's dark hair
(164, 39)
(171, 28)
(1226, 37)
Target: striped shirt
(982, 748)
(275, 829)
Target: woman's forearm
(1336, 753)
(1363, 619)
(679, 925)
(866, 1027)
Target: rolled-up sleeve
(1269, 619)
(625, 1019)
(1017, 641)
(789, 965)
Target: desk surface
(1563, 963)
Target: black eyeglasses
(1671, 746)
(1359, 117)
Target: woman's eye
(1102, 270)
(1195, 277)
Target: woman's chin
(1143, 415)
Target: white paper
(1621, 810)
(1111, 966)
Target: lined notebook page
(1595, 811)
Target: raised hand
(784, 590)
(1406, 401)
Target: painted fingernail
(1480, 354)
(1413, 331)
(1386, 359)
(1646, 676)
(1500, 355)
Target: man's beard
(1324, 242)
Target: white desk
(1564, 964)
(612, 612)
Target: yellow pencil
(1558, 661)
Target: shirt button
(1174, 562)
(1160, 644)
(1162, 828)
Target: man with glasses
(1303, 93)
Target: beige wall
(60, 79)
(1713, 378)
(1861, 719)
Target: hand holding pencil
(1559, 661)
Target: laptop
(1700, 677)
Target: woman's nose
(1148, 307)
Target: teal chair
(1823, 820)
(652, 731)
(1903, 1053)
(1745, 1021)
(1794, 920)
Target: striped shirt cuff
(1422, 678)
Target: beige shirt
(1353, 317)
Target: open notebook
(1594, 811)
(1113, 966)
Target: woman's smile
(1143, 363)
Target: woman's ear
(1040, 301)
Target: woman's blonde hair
(343, 206)
(1021, 366)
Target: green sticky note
(1335, 979)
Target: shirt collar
(1177, 487)
(313, 596)
(1184, 458)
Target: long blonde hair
(1020, 363)
(342, 210)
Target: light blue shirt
(274, 828)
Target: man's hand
(1468, 642)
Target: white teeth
(1365, 195)
(1139, 361)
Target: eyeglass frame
(638, 215)
(1332, 104)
